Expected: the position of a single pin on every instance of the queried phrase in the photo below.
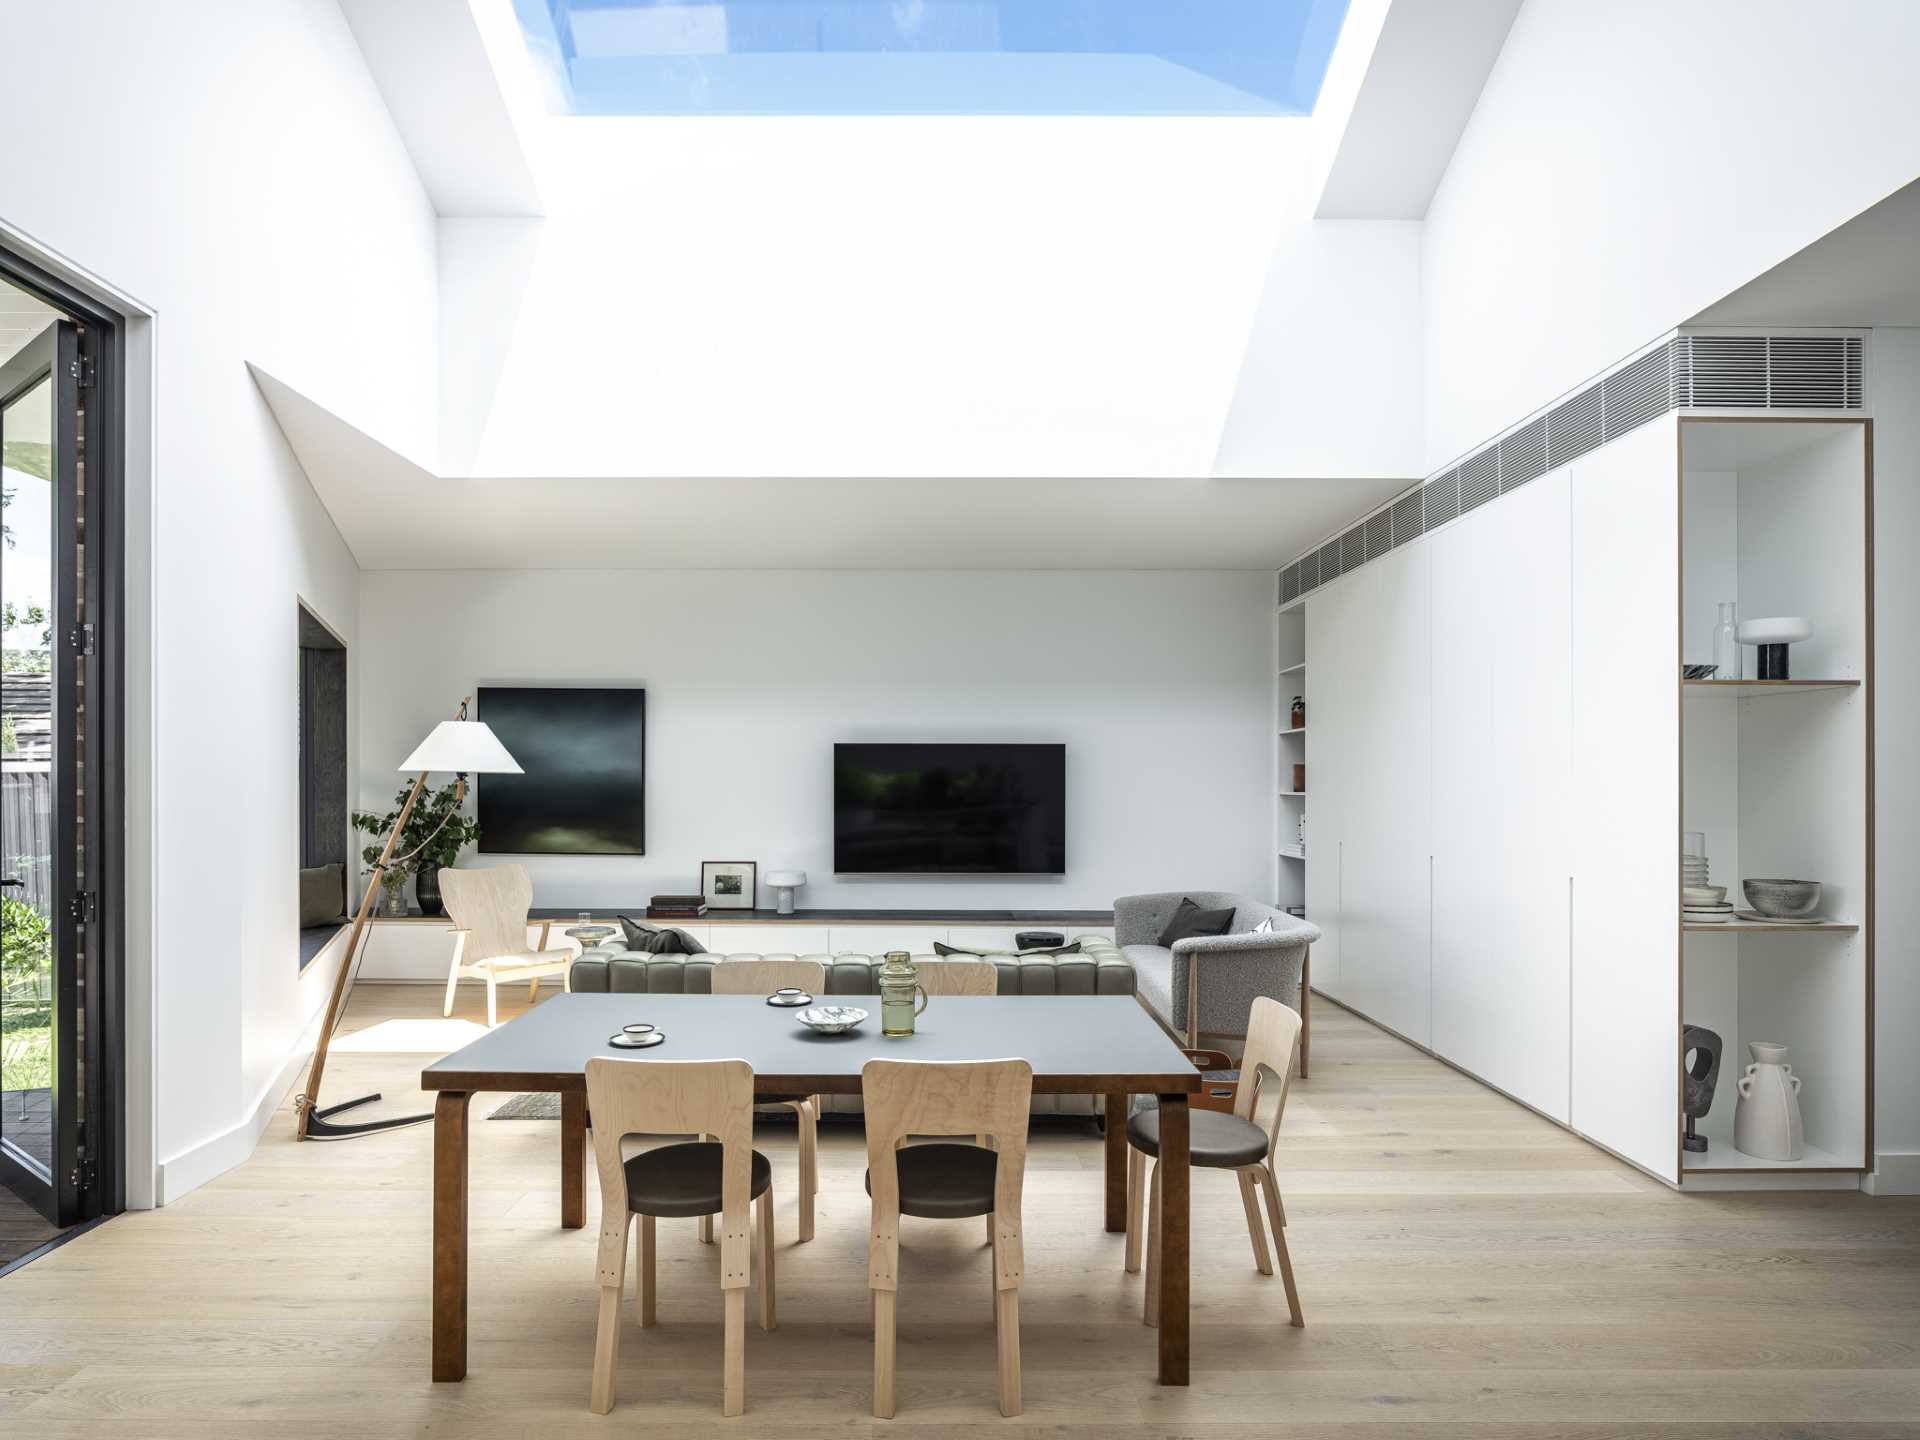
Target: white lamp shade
(467, 747)
(786, 879)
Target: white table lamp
(465, 747)
(783, 883)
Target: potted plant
(435, 834)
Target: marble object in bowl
(1776, 630)
(831, 1019)
(1788, 899)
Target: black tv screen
(925, 809)
(584, 751)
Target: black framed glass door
(52, 1022)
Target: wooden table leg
(573, 1159)
(1116, 1163)
(1306, 1015)
(1174, 1219)
(450, 1125)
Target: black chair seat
(677, 1181)
(945, 1181)
(1216, 1140)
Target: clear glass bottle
(1726, 650)
(901, 997)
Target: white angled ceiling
(1411, 103)
(1867, 272)
(396, 513)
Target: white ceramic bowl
(1775, 630)
(1703, 894)
(831, 1019)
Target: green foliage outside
(26, 1018)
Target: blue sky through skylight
(933, 57)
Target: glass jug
(901, 996)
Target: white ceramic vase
(1766, 1118)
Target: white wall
(1630, 163)
(1156, 681)
(232, 167)
(1896, 523)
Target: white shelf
(1296, 730)
(1293, 794)
(1748, 689)
(1727, 1160)
(1293, 669)
(1292, 853)
(1736, 926)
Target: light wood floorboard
(1466, 1270)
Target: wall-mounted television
(584, 751)
(949, 809)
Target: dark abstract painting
(585, 787)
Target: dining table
(1105, 1045)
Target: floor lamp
(466, 747)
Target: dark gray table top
(1077, 1044)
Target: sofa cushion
(323, 895)
(1152, 975)
(1190, 920)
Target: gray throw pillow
(323, 895)
(1190, 921)
(653, 940)
(940, 949)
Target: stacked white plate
(1703, 904)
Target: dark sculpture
(1700, 1062)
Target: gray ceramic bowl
(1788, 899)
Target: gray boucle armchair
(1232, 969)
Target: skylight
(933, 57)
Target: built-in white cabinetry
(1505, 760)
(1626, 825)
(1502, 741)
(1374, 705)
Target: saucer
(789, 1002)
(1754, 917)
(627, 1040)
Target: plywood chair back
(491, 905)
(671, 1097)
(763, 977)
(959, 977)
(1266, 1065)
(972, 1097)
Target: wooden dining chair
(946, 1181)
(488, 908)
(1225, 1141)
(763, 977)
(959, 977)
(679, 1181)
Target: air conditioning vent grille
(1379, 535)
(1636, 393)
(1290, 583)
(1523, 455)
(1480, 479)
(1353, 549)
(1573, 427)
(1406, 518)
(1328, 557)
(1692, 371)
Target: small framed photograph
(729, 884)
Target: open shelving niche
(1774, 517)
(1290, 748)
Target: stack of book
(676, 907)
